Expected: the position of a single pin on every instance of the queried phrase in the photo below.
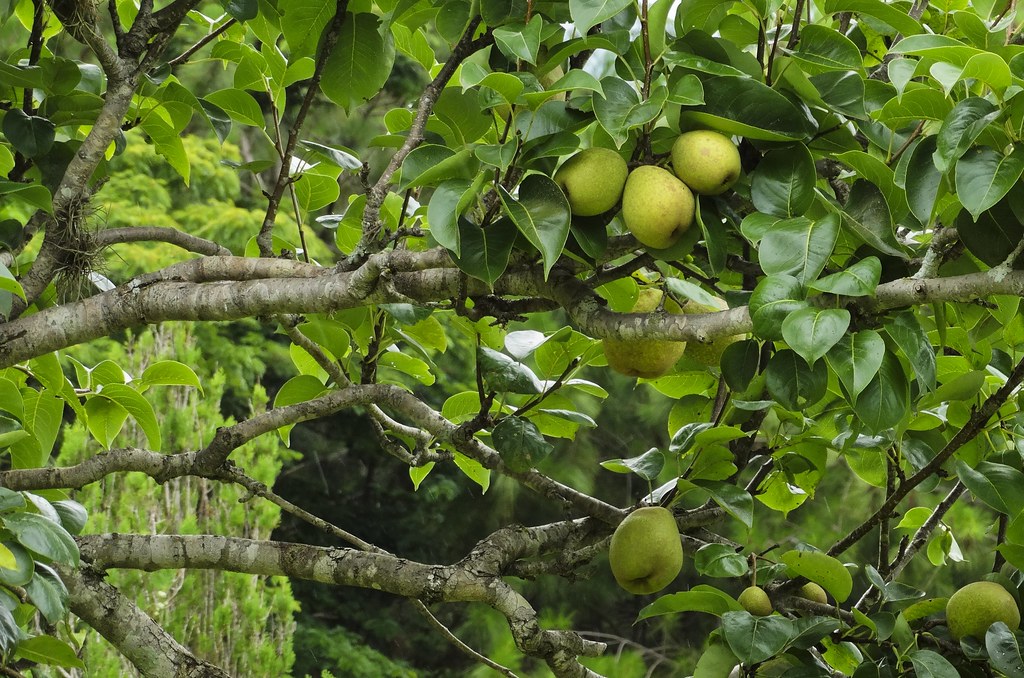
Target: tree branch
(113, 236)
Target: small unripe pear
(706, 161)
(754, 600)
(645, 552)
(710, 354)
(975, 607)
(646, 358)
(656, 206)
(592, 181)
(813, 592)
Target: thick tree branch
(153, 651)
(113, 236)
(409, 579)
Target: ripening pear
(754, 600)
(647, 358)
(710, 354)
(975, 607)
(706, 161)
(592, 181)
(656, 206)
(645, 553)
(813, 592)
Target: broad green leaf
(473, 470)
(302, 22)
(929, 664)
(822, 569)
(446, 204)
(984, 176)
(419, 473)
(866, 216)
(73, 515)
(620, 108)
(914, 106)
(822, 48)
(49, 651)
(1000, 486)
(31, 135)
(432, 164)
(648, 465)
(856, 359)
(857, 280)
(239, 105)
(43, 418)
(520, 41)
(588, 13)
(745, 107)
(685, 438)
(48, 593)
(717, 661)
(886, 399)
(409, 365)
(541, 214)
(924, 180)
(755, 639)
(720, 561)
(774, 298)
(793, 383)
(736, 501)
(360, 63)
(519, 443)
(701, 598)
(799, 247)
(505, 375)
(314, 190)
(140, 409)
(341, 157)
(9, 283)
(23, 569)
(783, 183)
(961, 127)
(812, 332)
(876, 172)
(1004, 650)
(10, 634)
(877, 9)
(739, 364)
(42, 536)
(171, 373)
(485, 251)
(906, 331)
(106, 418)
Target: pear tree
(833, 185)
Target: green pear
(706, 161)
(709, 354)
(755, 601)
(592, 181)
(975, 607)
(647, 358)
(656, 206)
(645, 552)
(813, 592)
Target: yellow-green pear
(754, 600)
(813, 592)
(706, 161)
(646, 358)
(592, 181)
(710, 354)
(645, 552)
(975, 607)
(656, 206)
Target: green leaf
(298, 389)
(721, 561)
(799, 247)
(360, 63)
(449, 200)
(31, 135)
(170, 373)
(1004, 651)
(24, 567)
(821, 48)
(43, 419)
(774, 298)
(239, 105)
(736, 501)
(10, 634)
(984, 176)
(783, 183)
(32, 194)
(998, 231)
(50, 651)
(620, 108)
(73, 515)
(341, 157)
(745, 107)
(1000, 486)
(519, 443)
(520, 41)
(505, 375)
(859, 280)
(685, 438)
(9, 283)
(314, 191)
(302, 22)
(717, 661)
(755, 639)
(43, 537)
(588, 13)
(821, 569)
(137, 406)
(812, 332)
(48, 593)
(793, 383)
(884, 12)
(961, 128)
(473, 470)
(924, 180)
(906, 331)
(886, 399)
(856, 359)
(928, 664)
(541, 214)
(701, 598)
(875, 172)
(648, 465)
(419, 473)
(240, 10)
(485, 251)
(432, 164)
(739, 363)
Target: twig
(202, 42)
(794, 34)
(458, 643)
